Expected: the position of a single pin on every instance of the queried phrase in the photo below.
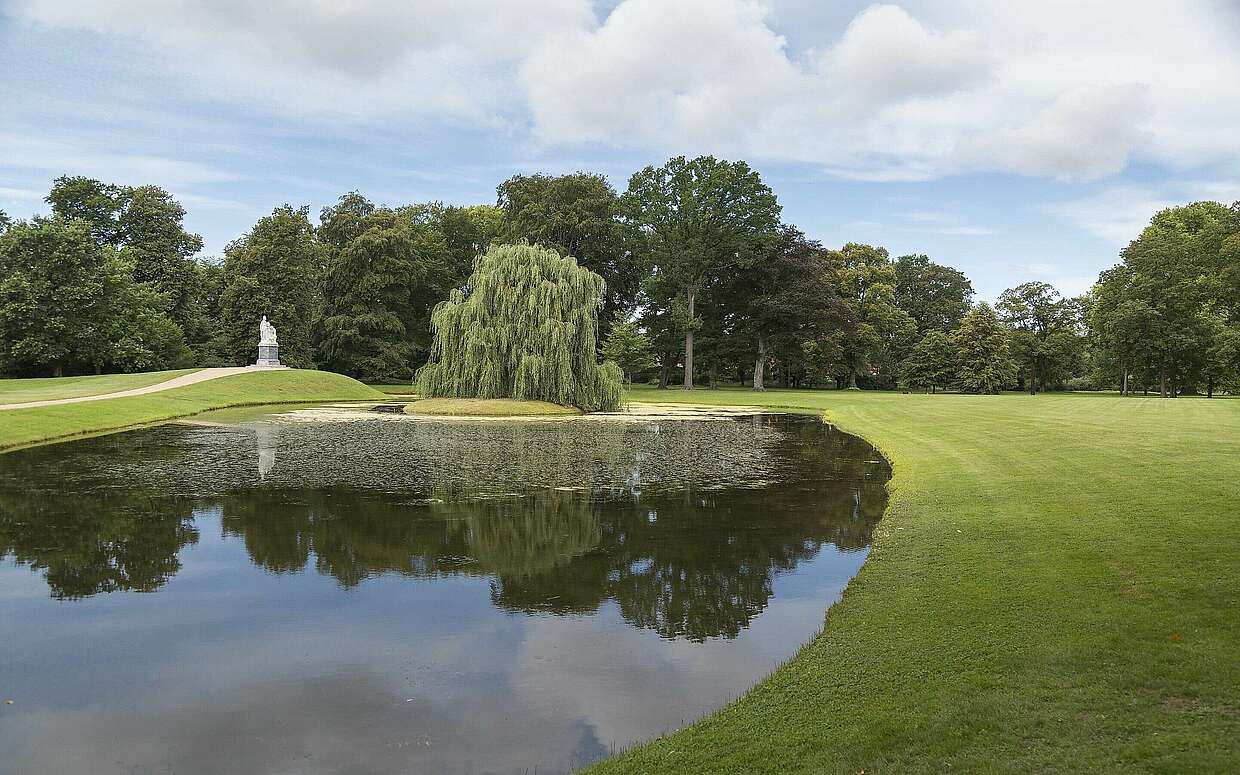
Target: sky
(1014, 141)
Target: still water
(333, 591)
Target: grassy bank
(18, 391)
(1056, 587)
(487, 407)
(27, 426)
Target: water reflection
(484, 580)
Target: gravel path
(202, 375)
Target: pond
(335, 590)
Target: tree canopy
(525, 327)
(276, 270)
(693, 253)
(694, 219)
(576, 215)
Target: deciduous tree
(983, 364)
(524, 327)
(275, 270)
(694, 219)
(936, 296)
(577, 215)
(932, 364)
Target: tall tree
(524, 327)
(695, 219)
(1047, 341)
(374, 277)
(1172, 283)
(147, 225)
(786, 299)
(936, 296)
(983, 364)
(275, 270)
(97, 203)
(69, 305)
(883, 333)
(932, 363)
(579, 216)
(629, 348)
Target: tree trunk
(1162, 383)
(1209, 387)
(759, 365)
(58, 371)
(689, 344)
(1123, 380)
(1033, 385)
(852, 378)
(663, 375)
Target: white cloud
(362, 58)
(1118, 213)
(1086, 133)
(660, 72)
(1063, 89)
(99, 158)
(10, 194)
(886, 56)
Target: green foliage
(576, 215)
(1155, 315)
(881, 333)
(524, 327)
(146, 224)
(695, 220)
(69, 304)
(275, 270)
(937, 297)
(983, 364)
(629, 348)
(1047, 340)
(784, 301)
(932, 364)
(375, 295)
(467, 232)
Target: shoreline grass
(1054, 588)
(405, 389)
(20, 391)
(24, 427)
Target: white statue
(266, 332)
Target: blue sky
(1014, 142)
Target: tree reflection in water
(683, 524)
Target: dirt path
(202, 375)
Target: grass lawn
(18, 391)
(487, 407)
(1055, 587)
(27, 426)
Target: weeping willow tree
(525, 327)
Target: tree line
(704, 283)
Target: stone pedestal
(268, 355)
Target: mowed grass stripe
(20, 391)
(1055, 587)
